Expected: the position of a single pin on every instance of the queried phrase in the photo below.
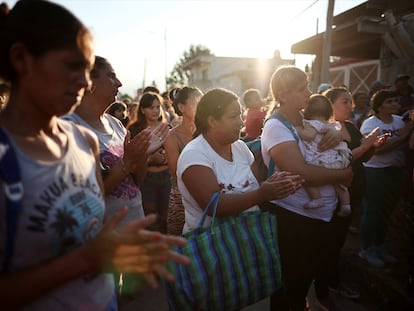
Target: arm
(393, 142)
(411, 141)
(94, 145)
(307, 133)
(260, 176)
(288, 157)
(134, 161)
(366, 149)
(172, 152)
(201, 182)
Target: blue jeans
(382, 195)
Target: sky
(143, 40)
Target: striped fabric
(234, 263)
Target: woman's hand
(132, 249)
(280, 185)
(331, 139)
(372, 139)
(158, 136)
(135, 149)
(381, 139)
(158, 158)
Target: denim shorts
(156, 188)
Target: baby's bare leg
(344, 200)
(316, 198)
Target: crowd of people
(110, 185)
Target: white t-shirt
(111, 148)
(275, 133)
(233, 177)
(394, 157)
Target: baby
(315, 124)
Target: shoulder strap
(13, 190)
(286, 123)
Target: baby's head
(319, 106)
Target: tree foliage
(178, 75)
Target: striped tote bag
(234, 263)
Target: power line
(307, 8)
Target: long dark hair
(146, 101)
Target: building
(235, 74)
(372, 41)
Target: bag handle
(13, 190)
(213, 200)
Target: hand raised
(135, 149)
(370, 139)
(158, 136)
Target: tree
(179, 75)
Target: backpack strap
(13, 190)
(286, 123)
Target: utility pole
(327, 43)
(165, 58)
(144, 73)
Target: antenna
(144, 73)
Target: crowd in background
(376, 128)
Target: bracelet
(121, 160)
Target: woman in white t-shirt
(301, 231)
(216, 160)
(384, 171)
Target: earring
(92, 89)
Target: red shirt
(254, 122)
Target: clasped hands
(280, 185)
(132, 249)
(143, 144)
